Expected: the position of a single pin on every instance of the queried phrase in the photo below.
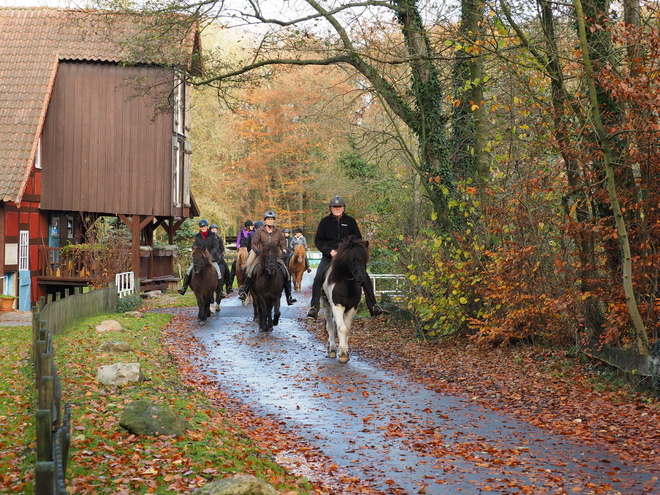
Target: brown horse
(203, 281)
(297, 265)
(241, 260)
(267, 288)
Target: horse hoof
(343, 359)
(201, 322)
(332, 354)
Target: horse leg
(201, 310)
(269, 317)
(276, 309)
(331, 329)
(343, 321)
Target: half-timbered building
(87, 133)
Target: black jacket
(212, 244)
(331, 232)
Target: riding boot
(219, 296)
(287, 291)
(186, 283)
(243, 289)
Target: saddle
(256, 266)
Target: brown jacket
(262, 238)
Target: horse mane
(299, 248)
(202, 251)
(351, 251)
(268, 256)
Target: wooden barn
(88, 134)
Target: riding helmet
(298, 231)
(213, 226)
(203, 223)
(337, 201)
(287, 231)
(258, 224)
(249, 223)
(269, 214)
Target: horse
(203, 281)
(267, 288)
(238, 269)
(342, 291)
(297, 265)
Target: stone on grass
(115, 346)
(134, 314)
(109, 326)
(119, 374)
(142, 417)
(241, 484)
(152, 293)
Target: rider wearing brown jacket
(266, 235)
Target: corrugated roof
(32, 42)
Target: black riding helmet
(337, 201)
(249, 223)
(298, 231)
(203, 223)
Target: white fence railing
(125, 283)
(392, 281)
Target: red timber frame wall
(28, 217)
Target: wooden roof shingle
(32, 42)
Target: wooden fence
(52, 317)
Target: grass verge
(105, 458)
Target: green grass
(104, 458)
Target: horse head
(352, 258)
(269, 255)
(299, 253)
(201, 258)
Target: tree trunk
(606, 148)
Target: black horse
(267, 288)
(204, 282)
(342, 291)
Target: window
(24, 250)
(37, 156)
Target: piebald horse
(342, 291)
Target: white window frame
(24, 250)
(37, 156)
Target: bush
(129, 303)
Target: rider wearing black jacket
(331, 230)
(212, 243)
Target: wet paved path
(381, 427)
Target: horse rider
(212, 242)
(220, 259)
(299, 240)
(245, 233)
(333, 229)
(288, 248)
(268, 234)
(257, 225)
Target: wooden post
(44, 429)
(45, 478)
